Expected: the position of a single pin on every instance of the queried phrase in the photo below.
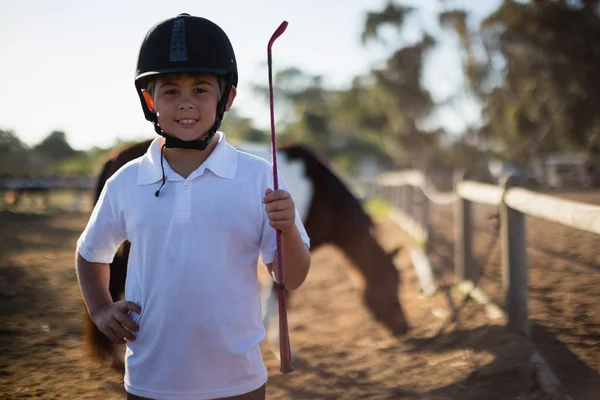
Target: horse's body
(331, 215)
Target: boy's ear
(149, 101)
(230, 98)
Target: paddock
(343, 353)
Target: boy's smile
(187, 123)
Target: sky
(69, 65)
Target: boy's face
(186, 105)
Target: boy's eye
(172, 91)
(199, 90)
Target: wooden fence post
(399, 197)
(387, 193)
(426, 219)
(514, 263)
(463, 236)
(409, 201)
(77, 199)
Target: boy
(198, 213)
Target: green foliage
(239, 128)
(378, 209)
(82, 163)
(391, 104)
(52, 156)
(532, 67)
(392, 14)
(55, 146)
(538, 83)
(13, 153)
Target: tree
(242, 129)
(13, 154)
(538, 81)
(55, 146)
(404, 103)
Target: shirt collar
(221, 162)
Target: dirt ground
(564, 287)
(342, 352)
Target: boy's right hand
(113, 321)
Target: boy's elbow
(300, 277)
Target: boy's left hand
(281, 210)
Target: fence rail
(585, 217)
(513, 202)
(480, 192)
(49, 182)
(39, 191)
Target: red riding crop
(284, 337)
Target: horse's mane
(323, 177)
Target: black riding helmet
(186, 44)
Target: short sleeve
(104, 233)
(268, 246)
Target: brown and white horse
(331, 214)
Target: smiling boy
(198, 214)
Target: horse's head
(336, 216)
(381, 294)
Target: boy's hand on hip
(113, 321)
(281, 210)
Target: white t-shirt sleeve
(268, 246)
(104, 232)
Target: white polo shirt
(192, 269)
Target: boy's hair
(151, 86)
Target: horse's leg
(271, 319)
(271, 309)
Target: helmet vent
(178, 44)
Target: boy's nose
(186, 105)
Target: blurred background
(399, 98)
(370, 85)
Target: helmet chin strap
(199, 144)
(173, 142)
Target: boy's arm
(296, 260)
(110, 318)
(99, 242)
(94, 280)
